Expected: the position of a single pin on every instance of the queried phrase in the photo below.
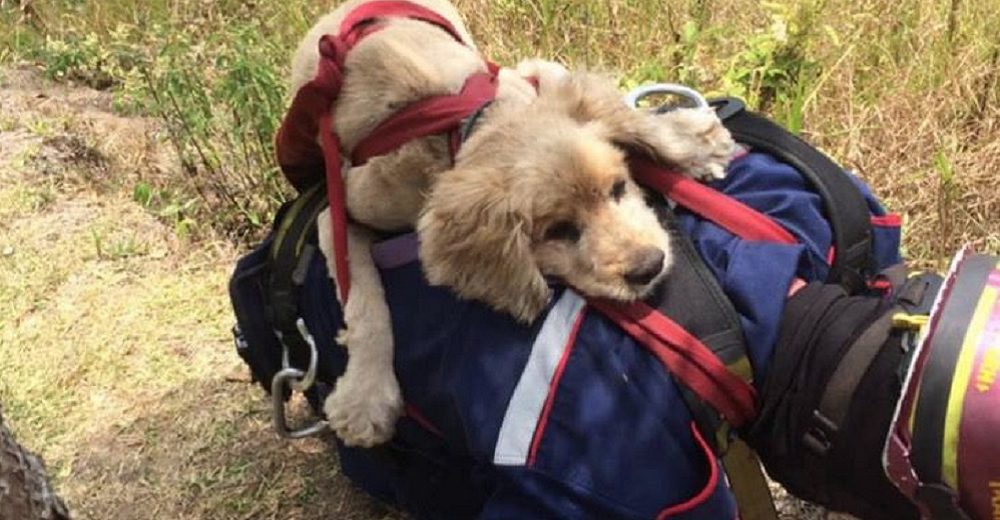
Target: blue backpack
(576, 416)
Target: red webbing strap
(370, 11)
(336, 195)
(729, 213)
(300, 158)
(686, 357)
(429, 116)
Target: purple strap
(396, 251)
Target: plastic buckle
(727, 107)
(821, 434)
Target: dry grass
(114, 357)
(905, 93)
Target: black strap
(845, 206)
(289, 254)
(712, 318)
(831, 413)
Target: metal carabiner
(298, 381)
(637, 94)
(281, 379)
(307, 378)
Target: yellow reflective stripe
(902, 320)
(961, 382)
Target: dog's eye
(618, 191)
(563, 230)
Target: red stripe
(687, 358)
(543, 420)
(414, 413)
(796, 285)
(702, 496)
(729, 213)
(890, 220)
(880, 284)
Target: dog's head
(544, 190)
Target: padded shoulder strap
(289, 254)
(845, 206)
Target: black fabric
(710, 317)
(820, 324)
(254, 336)
(845, 206)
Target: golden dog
(541, 188)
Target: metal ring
(635, 95)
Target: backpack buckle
(727, 107)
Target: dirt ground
(116, 363)
(115, 358)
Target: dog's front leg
(366, 401)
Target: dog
(539, 190)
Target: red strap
(729, 213)
(426, 117)
(300, 158)
(336, 194)
(371, 11)
(687, 358)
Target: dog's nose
(645, 267)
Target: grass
(894, 90)
(119, 206)
(114, 358)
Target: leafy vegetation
(886, 87)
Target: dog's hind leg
(366, 401)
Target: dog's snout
(646, 266)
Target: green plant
(775, 72)
(221, 111)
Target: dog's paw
(363, 413)
(705, 146)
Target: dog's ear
(475, 238)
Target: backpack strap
(700, 340)
(846, 208)
(288, 258)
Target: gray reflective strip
(525, 406)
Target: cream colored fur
(494, 225)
